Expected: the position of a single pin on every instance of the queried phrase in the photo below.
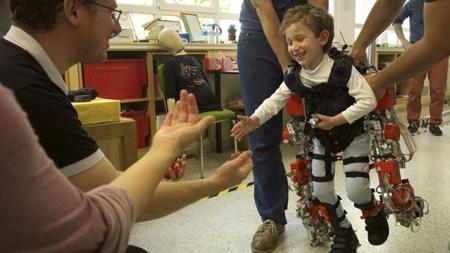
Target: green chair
(219, 117)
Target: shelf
(142, 46)
(134, 100)
(159, 99)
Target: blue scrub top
(249, 19)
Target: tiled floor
(226, 223)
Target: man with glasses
(115, 14)
(48, 37)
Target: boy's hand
(327, 122)
(244, 126)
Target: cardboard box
(99, 110)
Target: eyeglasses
(115, 14)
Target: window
(205, 21)
(222, 12)
(362, 9)
(225, 25)
(175, 18)
(136, 2)
(139, 20)
(230, 6)
(203, 3)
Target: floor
(226, 223)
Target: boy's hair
(316, 18)
(36, 14)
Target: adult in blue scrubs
(262, 58)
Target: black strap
(331, 209)
(291, 77)
(361, 159)
(341, 70)
(357, 174)
(324, 158)
(336, 205)
(328, 158)
(369, 205)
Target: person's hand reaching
(233, 171)
(181, 127)
(359, 57)
(244, 126)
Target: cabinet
(117, 140)
(384, 57)
(153, 55)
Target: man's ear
(70, 11)
(324, 36)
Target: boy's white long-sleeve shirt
(357, 88)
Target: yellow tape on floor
(232, 189)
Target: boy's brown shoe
(267, 236)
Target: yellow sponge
(99, 110)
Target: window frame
(160, 8)
(162, 5)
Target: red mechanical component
(318, 210)
(388, 101)
(389, 169)
(403, 196)
(374, 211)
(285, 134)
(301, 172)
(392, 132)
(294, 106)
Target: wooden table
(117, 140)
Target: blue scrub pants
(260, 75)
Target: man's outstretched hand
(181, 127)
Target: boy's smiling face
(304, 46)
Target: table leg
(217, 84)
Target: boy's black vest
(330, 98)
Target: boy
(336, 98)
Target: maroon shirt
(40, 210)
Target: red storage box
(212, 64)
(142, 128)
(117, 79)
